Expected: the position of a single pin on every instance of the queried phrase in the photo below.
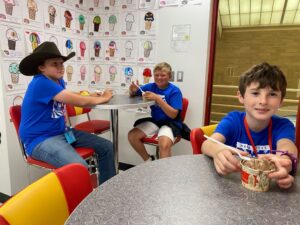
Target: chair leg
(93, 169)
(157, 152)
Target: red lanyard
(250, 137)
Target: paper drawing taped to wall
(13, 44)
(12, 76)
(33, 40)
(9, 11)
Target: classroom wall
(189, 58)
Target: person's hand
(148, 95)
(107, 94)
(226, 162)
(97, 93)
(133, 87)
(284, 166)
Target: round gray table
(120, 102)
(185, 190)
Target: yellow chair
(197, 137)
(49, 200)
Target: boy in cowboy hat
(257, 131)
(42, 129)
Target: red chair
(153, 140)
(49, 200)
(90, 126)
(197, 137)
(298, 129)
(86, 153)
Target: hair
(266, 75)
(163, 66)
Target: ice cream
(147, 74)
(112, 2)
(129, 19)
(148, 46)
(112, 48)
(80, 2)
(53, 39)
(82, 47)
(68, 18)
(32, 9)
(9, 5)
(97, 73)
(69, 71)
(149, 18)
(97, 48)
(82, 72)
(128, 48)
(14, 72)
(96, 3)
(96, 22)
(112, 20)
(112, 73)
(81, 19)
(128, 71)
(69, 46)
(52, 14)
(35, 40)
(12, 38)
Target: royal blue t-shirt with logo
(42, 117)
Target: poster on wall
(165, 3)
(32, 40)
(111, 5)
(14, 99)
(148, 21)
(13, 78)
(95, 5)
(96, 50)
(112, 50)
(33, 12)
(96, 25)
(69, 76)
(67, 20)
(129, 23)
(81, 74)
(129, 4)
(147, 4)
(128, 73)
(96, 76)
(52, 17)
(145, 73)
(56, 39)
(128, 50)
(147, 51)
(69, 45)
(10, 11)
(82, 49)
(112, 24)
(111, 75)
(81, 23)
(12, 45)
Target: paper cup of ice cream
(254, 174)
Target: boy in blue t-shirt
(257, 131)
(42, 129)
(165, 113)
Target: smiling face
(161, 78)
(53, 68)
(260, 103)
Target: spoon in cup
(229, 147)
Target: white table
(116, 103)
(185, 190)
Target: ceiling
(256, 13)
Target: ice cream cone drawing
(129, 2)
(14, 72)
(128, 48)
(9, 6)
(97, 74)
(69, 46)
(148, 46)
(129, 19)
(80, 2)
(149, 18)
(35, 40)
(112, 20)
(69, 71)
(147, 74)
(96, 3)
(52, 14)
(82, 72)
(82, 47)
(97, 48)
(112, 2)
(112, 73)
(53, 39)
(96, 22)
(128, 72)
(81, 19)
(112, 48)
(12, 37)
(68, 18)
(32, 9)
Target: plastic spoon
(227, 146)
(139, 87)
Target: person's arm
(71, 98)
(133, 88)
(224, 160)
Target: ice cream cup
(254, 174)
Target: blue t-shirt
(42, 117)
(172, 95)
(232, 128)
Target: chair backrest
(75, 111)
(298, 129)
(197, 137)
(15, 115)
(185, 104)
(49, 200)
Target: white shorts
(151, 129)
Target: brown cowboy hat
(47, 50)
